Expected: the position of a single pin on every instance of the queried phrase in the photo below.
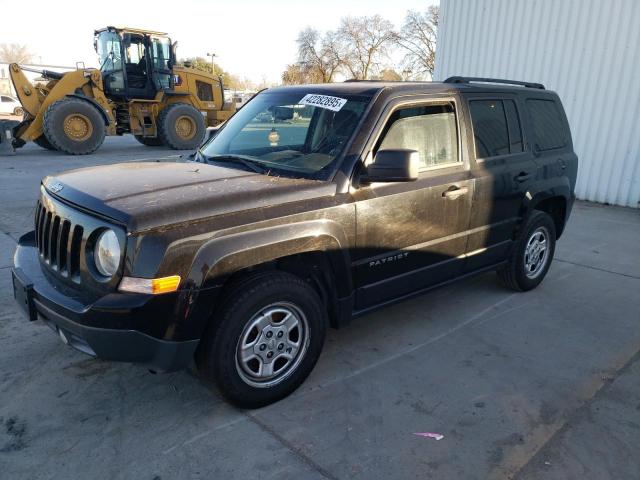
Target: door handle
(522, 177)
(562, 163)
(455, 192)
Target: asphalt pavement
(534, 385)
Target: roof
(370, 87)
(140, 31)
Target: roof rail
(493, 80)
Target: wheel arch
(91, 101)
(315, 251)
(555, 200)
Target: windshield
(290, 132)
(108, 49)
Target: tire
(181, 126)
(74, 126)
(522, 271)
(149, 141)
(18, 111)
(42, 141)
(255, 313)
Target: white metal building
(586, 50)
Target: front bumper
(110, 328)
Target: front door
(412, 235)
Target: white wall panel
(586, 50)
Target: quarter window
(429, 129)
(548, 127)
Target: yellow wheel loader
(138, 89)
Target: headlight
(107, 253)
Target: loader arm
(36, 99)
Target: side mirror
(393, 165)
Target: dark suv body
(352, 196)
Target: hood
(145, 195)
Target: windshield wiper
(251, 164)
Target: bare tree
(297, 74)
(418, 38)
(15, 53)
(366, 41)
(389, 75)
(318, 58)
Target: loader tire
(181, 126)
(149, 141)
(74, 127)
(42, 141)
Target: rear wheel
(532, 253)
(181, 126)
(42, 141)
(18, 111)
(74, 126)
(265, 339)
(149, 141)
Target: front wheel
(265, 339)
(74, 126)
(18, 111)
(532, 253)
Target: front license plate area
(23, 293)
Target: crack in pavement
(297, 452)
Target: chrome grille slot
(53, 241)
(46, 236)
(74, 253)
(59, 242)
(64, 246)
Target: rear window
(489, 128)
(548, 126)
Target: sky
(251, 38)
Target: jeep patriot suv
(313, 205)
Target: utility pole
(212, 55)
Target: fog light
(150, 285)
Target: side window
(515, 132)
(489, 128)
(430, 130)
(548, 127)
(205, 92)
(5, 99)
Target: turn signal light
(150, 285)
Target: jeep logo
(55, 187)
(392, 258)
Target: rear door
(503, 170)
(412, 235)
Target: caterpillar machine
(138, 89)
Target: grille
(59, 242)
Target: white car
(10, 106)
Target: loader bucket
(6, 136)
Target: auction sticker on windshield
(323, 101)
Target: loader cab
(134, 63)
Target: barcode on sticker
(323, 101)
